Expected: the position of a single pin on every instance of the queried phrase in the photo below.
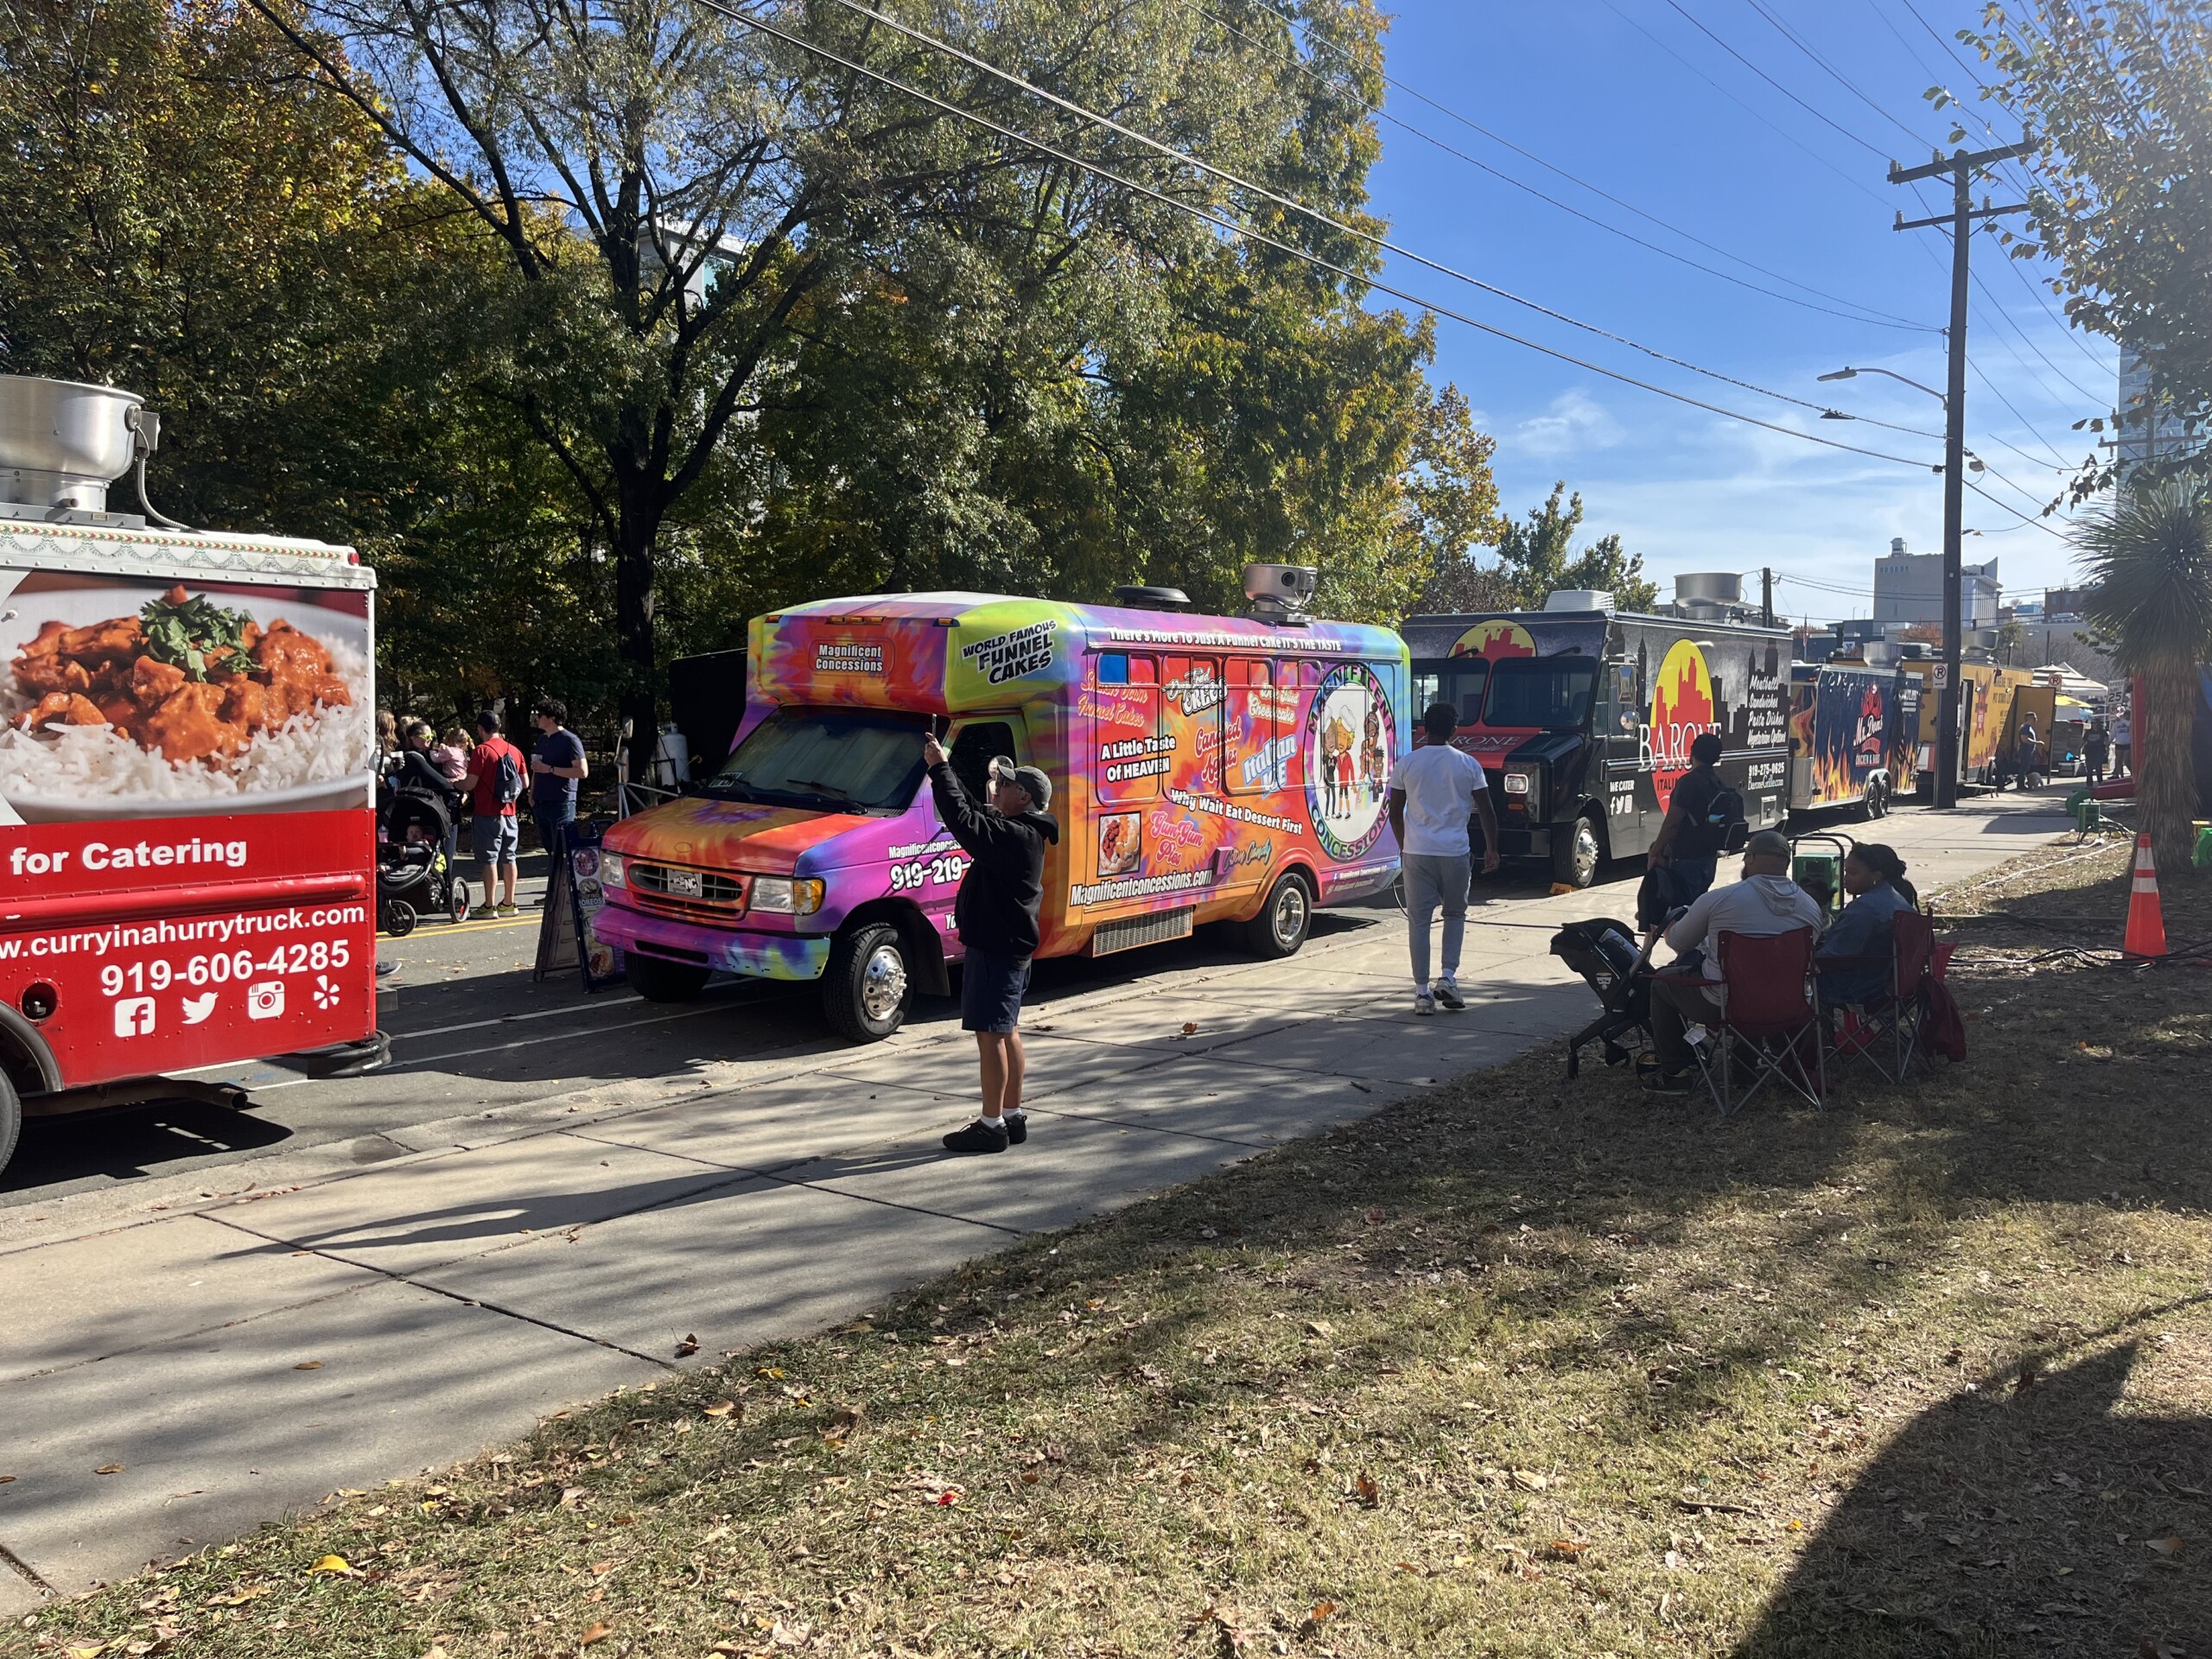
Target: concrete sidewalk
(234, 1354)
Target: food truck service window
(1129, 755)
(1255, 731)
(1192, 716)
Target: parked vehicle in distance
(1854, 737)
(1582, 717)
(1204, 768)
(1991, 701)
(187, 774)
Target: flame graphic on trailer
(1681, 709)
(1494, 640)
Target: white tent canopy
(2072, 682)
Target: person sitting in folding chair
(1765, 904)
(1854, 957)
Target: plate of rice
(288, 736)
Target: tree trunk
(633, 633)
(2165, 785)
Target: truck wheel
(866, 990)
(1284, 921)
(1577, 852)
(1877, 801)
(660, 980)
(11, 1121)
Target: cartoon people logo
(1348, 733)
(1681, 707)
(1495, 638)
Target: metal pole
(1955, 474)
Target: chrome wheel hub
(1290, 915)
(883, 983)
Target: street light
(1852, 374)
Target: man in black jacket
(995, 914)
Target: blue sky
(1631, 97)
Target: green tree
(2149, 555)
(180, 214)
(2118, 96)
(686, 209)
(1539, 557)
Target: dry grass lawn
(1519, 1367)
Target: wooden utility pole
(1960, 165)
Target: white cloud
(1575, 423)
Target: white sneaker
(1423, 1002)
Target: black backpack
(1725, 827)
(506, 781)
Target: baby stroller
(413, 876)
(1606, 954)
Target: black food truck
(1582, 717)
(1854, 737)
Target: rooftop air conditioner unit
(1578, 599)
(1280, 593)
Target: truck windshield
(1551, 693)
(1455, 680)
(830, 760)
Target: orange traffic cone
(2146, 924)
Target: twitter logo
(197, 1008)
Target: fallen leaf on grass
(725, 1647)
(1316, 1616)
(600, 1569)
(572, 1497)
(845, 1418)
(1319, 1328)
(1365, 1489)
(308, 1365)
(2169, 1546)
(1190, 1028)
(2025, 1380)
(773, 1373)
(240, 1596)
(688, 1347)
(1529, 1480)
(722, 1408)
(109, 1469)
(599, 1632)
(336, 1565)
(1565, 1548)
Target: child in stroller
(415, 876)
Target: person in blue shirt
(1873, 875)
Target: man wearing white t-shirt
(1434, 790)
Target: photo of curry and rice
(179, 705)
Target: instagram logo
(265, 1001)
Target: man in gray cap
(1764, 903)
(995, 913)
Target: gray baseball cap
(1039, 787)
(1768, 843)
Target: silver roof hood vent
(63, 443)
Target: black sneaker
(978, 1136)
(1017, 1127)
(1448, 996)
(1656, 1082)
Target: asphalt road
(472, 1029)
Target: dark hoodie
(996, 910)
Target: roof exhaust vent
(1152, 599)
(63, 443)
(1280, 593)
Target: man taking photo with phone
(995, 914)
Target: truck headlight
(783, 896)
(1516, 783)
(611, 872)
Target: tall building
(2148, 430)
(1908, 589)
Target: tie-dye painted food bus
(1204, 768)
(1583, 717)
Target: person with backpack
(496, 775)
(1694, 832)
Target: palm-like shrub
(2149, 556)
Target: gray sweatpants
(1434, 880)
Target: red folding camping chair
(1885, 1030)
(1770, 1022)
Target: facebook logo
(134, 1016)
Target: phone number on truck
(223, 967)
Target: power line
(1771, 81)
(1236, 227)
(1329, 220)
(1833, 73)
(1787, 137)
(1880, 319)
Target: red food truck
(186, 780)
